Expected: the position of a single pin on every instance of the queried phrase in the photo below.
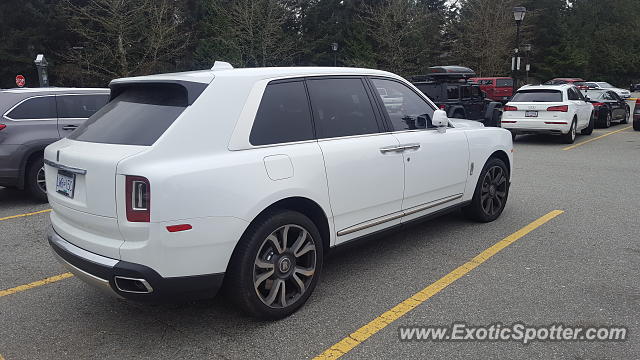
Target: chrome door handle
(69, 127)
(393, 148)
(410, 146)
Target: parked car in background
(549, 109)
(298, 160)
(577, 82)
(636, 116)
(450, 89)
(600, 85)
(634, 87)
(496, 88)
(607, 107)
(31, 119)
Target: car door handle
(392, 148)
(410, 146)
(69, 127)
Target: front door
(365, 173)
(436, 163)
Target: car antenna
(221, 65)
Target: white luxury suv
(248, 176)
(549, 109)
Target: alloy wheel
(41, 181)
(284, 266)
(608, 119)
(494, 190)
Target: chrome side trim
(79, 252)
(65, 168)
(397, 215)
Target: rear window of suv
(138, 115)
(537, 96)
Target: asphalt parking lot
(578, 268)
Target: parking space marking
(595, 138)
(356, 338)
(34, 284)
(23, 215)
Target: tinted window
(137, 116)
(452, 92)
(35, 108)
(571, 94)
(465, 92)
(614, 96)
(341, 107)
(475, 92)
(537, 96)
(80, 106)
(407, 110)
(504, 83)
(283, 115)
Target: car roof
(206, 76)
(546, 87)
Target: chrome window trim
(45, 119)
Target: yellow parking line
(23, 215)
(595, 138)
(1, 358)
(356, 338)
(34, 284)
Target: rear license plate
(530, 113)
(65, 183)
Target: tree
(119, 38)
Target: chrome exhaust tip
(132, 285)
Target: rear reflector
(2, 126)
(561, 108)
(138, 199)
(176, 228)
(508, 121)
(509, 108)
(555, 122)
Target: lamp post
(518, 15)
(334, 47)
(527, 66)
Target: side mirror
(440, 120)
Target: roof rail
(221, 65)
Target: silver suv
(31, 119)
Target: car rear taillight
(2, 126)
(561, 108)
(509, 108)
(138, 199)
(597, 104)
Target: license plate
(65, 183)
(530, 113)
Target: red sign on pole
(20, 80)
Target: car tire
(589, 129)
(570, 137)
(607, 120)
(627, 112)
(35, 181)
(276, 265)
(492, 189)
(636, 124)
(458, 115)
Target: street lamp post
(527, 66)
(518, 15)
(334, 47)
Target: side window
(341, 107)
(283, 115)
(407, 110)
(614, 96)
(475, 92)
(452, 92)
(43, 107)
(571, 94)
(80, 106)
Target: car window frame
(6, 113)
(385, 113)
(382, 129)
(76, 94)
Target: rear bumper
(523, 126)
(120, 278)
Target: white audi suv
(246, 177)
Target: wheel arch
(502, 155)
(29, 156)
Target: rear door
(364, 169)
(618, 106)
(583, 108)
(435, 163)
(75, 109)
(33, 121)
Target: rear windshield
(139, 115)
(537, 96)
(504, 83)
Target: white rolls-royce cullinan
(248, 176)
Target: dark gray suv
(31, 119)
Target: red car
(577, 82)
(496, 88)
